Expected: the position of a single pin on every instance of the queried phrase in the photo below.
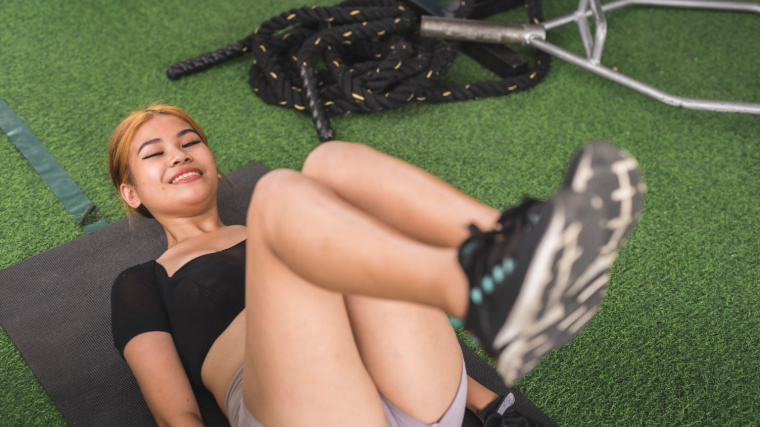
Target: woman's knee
(272, 189)
(332, 157)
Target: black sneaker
(502, 413)
(613, 180)
(538, 278)
(609, 174)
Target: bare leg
(602, 187)
(417, 204)
(302, 361)
(409, 199)
(478, 396)
(336, 246)
(411, 353)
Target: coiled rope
(371, 61)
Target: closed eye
(189, 144)
(157, 153)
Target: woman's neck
(180, 229)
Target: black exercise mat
(483, 373)
(55, 307)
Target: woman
(331, 306)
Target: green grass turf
(676, 340)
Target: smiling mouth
(184, 176)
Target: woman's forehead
(162, 122)
(159, 126)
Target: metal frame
(498, 58)
(535, 36)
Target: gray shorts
(240, 416)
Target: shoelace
(511, 221)
(510, 225)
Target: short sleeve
(136, 305)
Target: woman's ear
(129, 195)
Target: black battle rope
(371, 60)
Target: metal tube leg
(650, 91)
(601, 31)
(734, 6)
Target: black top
(195, 305)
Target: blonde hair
(118, 151)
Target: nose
(179, 156)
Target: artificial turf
(676, 341)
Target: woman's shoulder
(139, 272)
(133, 285)
(138, 268)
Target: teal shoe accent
(468, 247)
(508, 265)
(457, 323)
(476, 296)
(487, 284)
(498, 273)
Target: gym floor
(676, 341)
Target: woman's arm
(155, 363)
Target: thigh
(411, 352)
(409, 199)
(453, 417)
(301, 366)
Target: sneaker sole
(567, 277)
(613, 176)
(538, 321)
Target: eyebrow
(157, 140)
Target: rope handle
(205, 61)
(317, 112)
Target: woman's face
(173, 172)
